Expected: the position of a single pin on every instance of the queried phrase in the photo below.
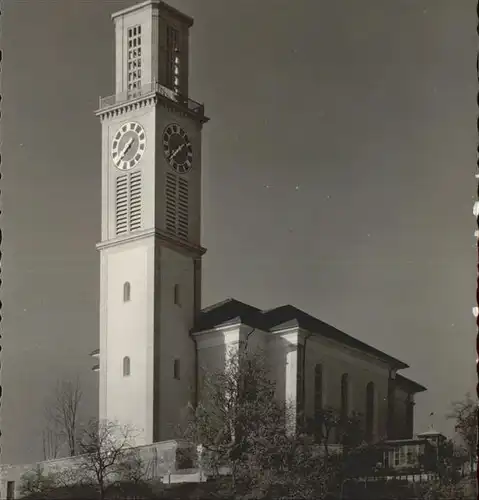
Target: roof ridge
(218, 304)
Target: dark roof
(232, 311)
(228, 312)
(409, 384)
(290, 316)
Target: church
(155, 339)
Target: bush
(35, 482)
(78, 492)
(119, 491)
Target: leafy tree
(363, 460)
(445, 460)
(351, 432)
(323, 426)
(241, 424)
(280, 464)
(466, 424)
(436, 491)
(231, 401)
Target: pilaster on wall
(391, 404)
(286, 354)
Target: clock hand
(176, 151)
(173, 154)
(126, 148)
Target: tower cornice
(158, 4)
(150, 95)
(185, 247)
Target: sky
(338, 176)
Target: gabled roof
(232, 311)
(290, 316)
(409, 384)
(229, 312)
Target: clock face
(177, 148)
(128, 145)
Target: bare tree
(62, 417)
(107, 456)
(51, 441)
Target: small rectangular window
(176, 369)
(177, 295)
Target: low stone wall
(167, 457)
(160, 459)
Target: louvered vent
(135, 201)
(183, 208)
(176, 217)
(128, 203)
(121, 204)
(171, 195)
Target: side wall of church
(337, 360)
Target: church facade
(154, 337)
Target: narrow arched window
(126, 366)
(318, 389)
(369, 411)
(344, 409)
(176, 369)
(344, 395)
(126, 292)
(177, 297)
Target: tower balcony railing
(150, 88)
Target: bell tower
(150, 251)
